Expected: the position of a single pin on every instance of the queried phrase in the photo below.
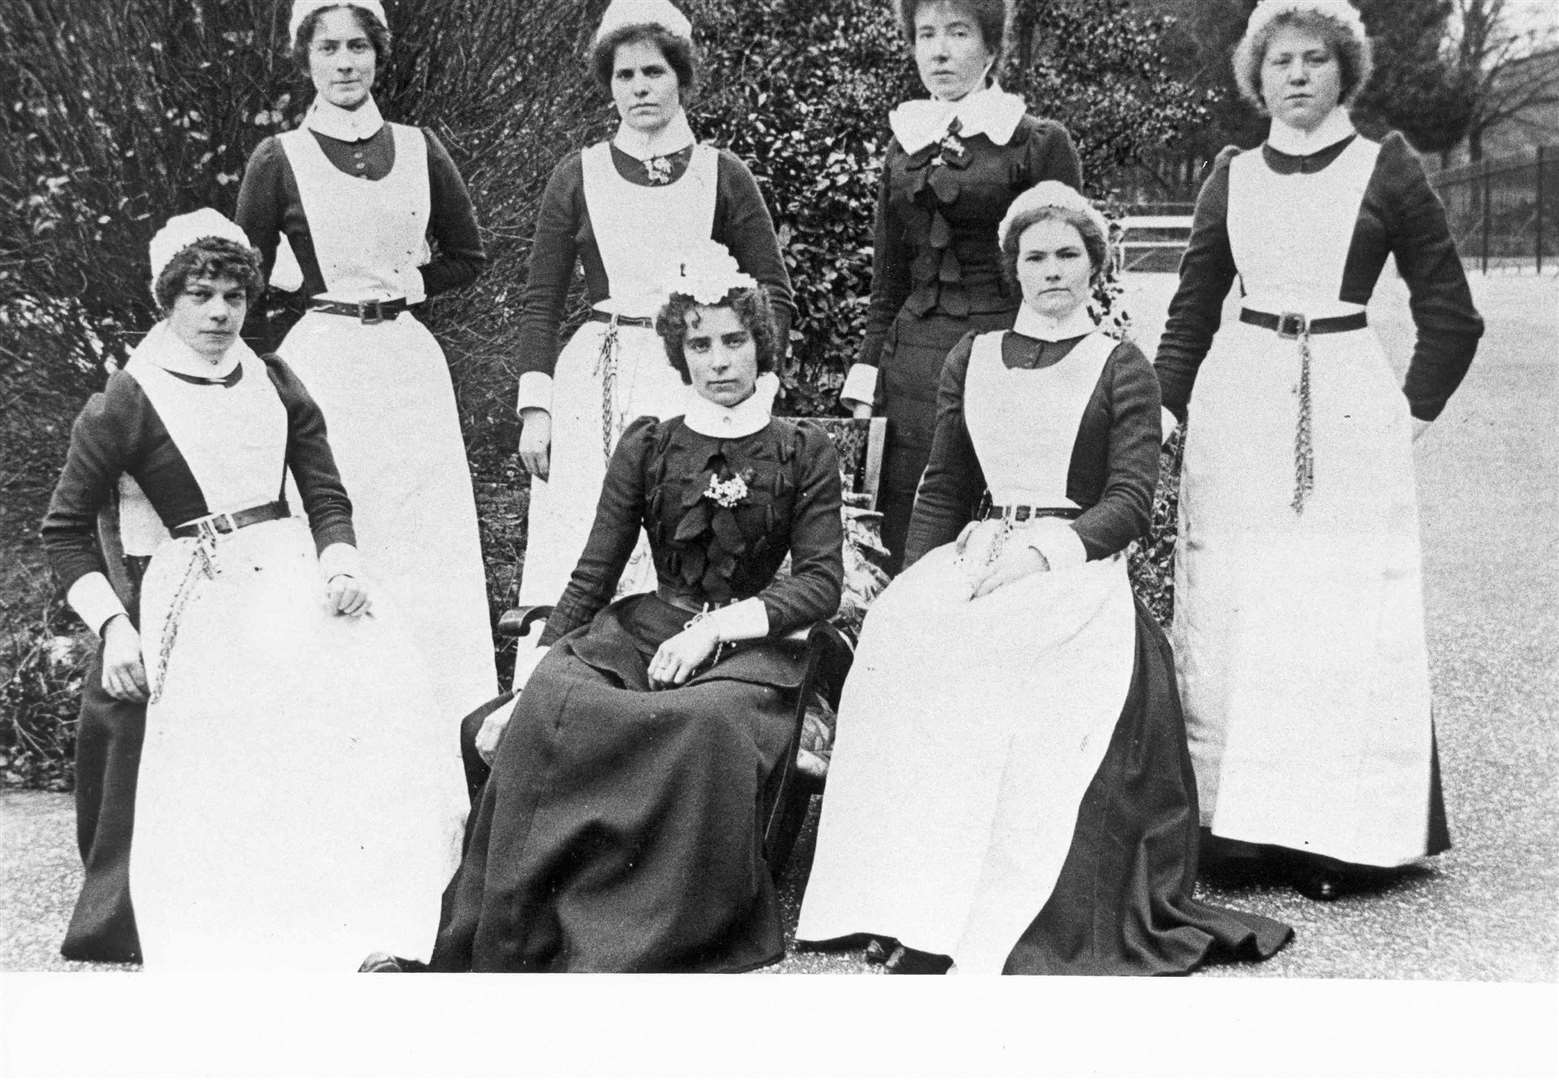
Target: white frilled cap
(183, 230)
(1051, 193)
(302, 9)
(661, 13)
(1339, 11)
(707, 272)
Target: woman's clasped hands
(1011, 561)
(682, 654)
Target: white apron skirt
(1299, 637)
(968, 732)
(296, 810)
(395, 432)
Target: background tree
(1417, 89)
(1491, 54)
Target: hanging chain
(200, 567)
(1304, 451)
(606, 368)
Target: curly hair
(752, 307)
(1094, 242)
(1352, 50)
(991, 16)
(214, 258)
(378, 37)
(679, 53)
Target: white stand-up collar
(988, 111)
(1291, 140)
(348, 125)
(1031, 323)
(162, 348)
(676, 135)
(728, 422)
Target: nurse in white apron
(1299, 623)
(357, 199)
(624, 210)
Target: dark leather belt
(215, 525)
(622, 320)
(1291, 324)
(1025, 513)
(370, 312)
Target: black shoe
(878, 951)
(380, 962)
(1324, 885)
(906, 961)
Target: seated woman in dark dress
(617, 830)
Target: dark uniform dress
(619, 828)
(1299, 623)
(1011, 785)
(937, 275)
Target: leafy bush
(42, 664)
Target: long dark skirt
(1123, 904)
(620, 827)
(911, 366)
(109, 733)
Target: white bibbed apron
(610, 373)
(385, 391)
(963, 754)
(1299, 636)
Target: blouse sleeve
(891, 283)
(553, 253)
(815, 585)
(1206, 273)
(1448, 324)
(744, 226)
(953, 481)
(1051, 154)
(262, 199)
(458, 256)
(102, 447)
(619, 515)
(311, 461)
(1125, 507)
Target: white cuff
(94, 599)
(860, 385)
(1169, 422)
(745, 620)
(1058, 543)
(340, 558)
(535, 391)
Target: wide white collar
(676, 135)
(1031, 323)
(162, 348)
(728, 422)
(348, 125)
(1287, 139)
(988, 111)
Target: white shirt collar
(162, 348)
(1291, 140)
(728, 422)
(1031, 323)
(988, 111)
(348, 125)
(676, 135)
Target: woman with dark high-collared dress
(1299, 623)
(623, 210)
(955, 164)
(379, 220)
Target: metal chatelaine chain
(1304, 451)
(199, 568)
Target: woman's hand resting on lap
(678, 657)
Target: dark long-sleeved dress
(1298, 627)
(936, 275)
(1010, 786)
(619, 829)
(602, 212)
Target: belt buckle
(1293, 324)
(370, 312)
(216, 525)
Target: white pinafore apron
(970, 729)
(295, 809)
(1299, 636)
(609, 373)
(385, 391)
